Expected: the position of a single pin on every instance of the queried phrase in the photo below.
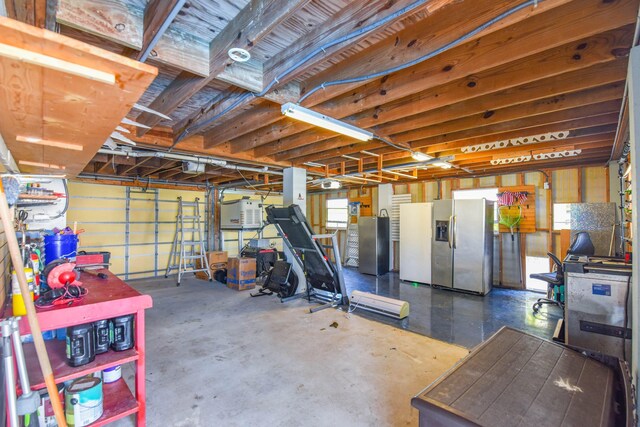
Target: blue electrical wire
(346, 37)
(424, 57)
(310, 55)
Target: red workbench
(107, 298)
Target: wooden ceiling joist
(534, 113)
(558, 66)
(456, 99)
(253, 23)
(448, 142)
(135, 28)
(525, 39)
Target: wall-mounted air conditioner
(243, 214)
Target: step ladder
(188, 243)
(351, 254)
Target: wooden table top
(518, 379)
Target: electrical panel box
(243, 214)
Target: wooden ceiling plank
(114, 20)
(543, 106)
(416, 41)
(158, 15)
(252, 23)
(54, 105)
(349, 19)
(397, 157)
(456, 99)
(440, 144)
(137, 164)
(562, 26)
(263, 111)
(454, 106)
(566, 102)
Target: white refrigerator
(415, 242)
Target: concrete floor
(219, 357)
(455, 317)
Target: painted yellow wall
(93, 203)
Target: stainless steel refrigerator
(462, 245)
(373, 245)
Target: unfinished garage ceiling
(438, 77)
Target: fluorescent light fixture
(314, 164)
(369, 153)
(40, 165)
(420, 157)
(313, 118)
(49, 143)
(350, 157)
(45, 61)
(443, 165)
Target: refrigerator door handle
(449, 231)
(455, 232)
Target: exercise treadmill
(324, 278)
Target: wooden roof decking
(560, 66)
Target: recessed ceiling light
(239, 55)
(49, 143)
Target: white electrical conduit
(187, 158)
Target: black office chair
(581, 245)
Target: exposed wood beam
(158, 15)
(562, 26)
(262, 112)
(194, 144)
(137, 164)
(127, 25)
(527, 111)
(573, 105)
(110, 19)
(444, 104)
(108, 165)
(439, 144)
(163, 166)
(416, 41)
(252, 23)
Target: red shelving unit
(107, 298)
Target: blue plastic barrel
(60, 246)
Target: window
(562, 216)
(479, 193)
(487, 193)
(337, 213)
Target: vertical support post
(294, 192)
(633, 79)
(156, 242)
(385, 193)
(141, 393)
(127, 230)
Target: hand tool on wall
(9, 193)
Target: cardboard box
(217, 257)
(241, 273)
(213, 267)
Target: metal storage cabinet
(373, 245)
